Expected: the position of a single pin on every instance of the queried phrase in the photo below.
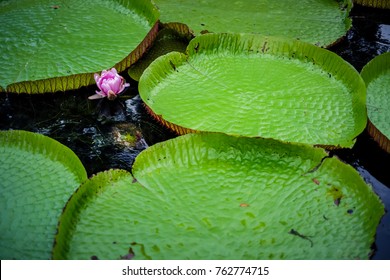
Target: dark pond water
(110, 134)
(369, 37)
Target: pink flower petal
(97, 78)
(110, 84)
(106, 87)
(95, 96)
(113, 84)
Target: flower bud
(110, 84)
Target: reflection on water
(368, 37)
(384, 35)
(104, 134)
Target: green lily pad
(47, 46)
(99, 209)
(214, 196)
(37, 177)
(376, 74)
(318, 22)
(167, 40)
(254, 86)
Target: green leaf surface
(37, 177)
(376, 74)
(377, 77)
(251, 85)
(47, 46)
(167, 40)
(98, 217)
(320, 22)
(213, 196)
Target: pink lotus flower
(110, 84)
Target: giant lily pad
(376, 74)
(318, 22)
(257, 86)
(37, 177)
(214, 196)
(47, 46)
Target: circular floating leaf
(317, 22)
(37, 177)
(46, 47)
(376, 74)
(257, 86)
(213, 196)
